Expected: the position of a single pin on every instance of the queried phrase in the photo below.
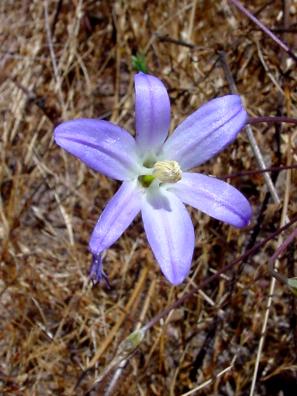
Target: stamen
(96, 273)
(167, 171)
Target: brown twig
(284, 46)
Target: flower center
(161, 172)
(167, 171)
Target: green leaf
(139, 63)
(129, 344)
(292, 283)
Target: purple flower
(155, 168)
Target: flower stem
(272, 120)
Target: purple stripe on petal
(170, 233)
(152, 113)
(116, 217)
(206, 132)
(213, 197)
(101, 145)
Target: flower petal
(116, 217)
(152, 112)
(100, 144)
(206, 132)
(214, 197)
(170, 233)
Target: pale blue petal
(170, 233)
(101, 145)
(206, 132)
(213, 197)
(152, 113)
(116, 217)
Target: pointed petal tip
(152, 112)
(206, 132)
(214, 197)
(65, 128)
(176, 272)
(176, 279)
(58, 132)
(247, 213)
(60, 139)
(140, 73)
(101, 145)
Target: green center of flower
(146, 180)
(164, 172)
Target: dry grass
(65, 59)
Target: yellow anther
(167, 171)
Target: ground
(65, 59)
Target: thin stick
(165, 312)
(209, 381)
(256, 150)
(53, 56)
(217, 275)
(264, 28)
(272, 120)
(284, 220)
(265, 321)
(123, 363)
(183, 43)
(276, 199)
(257, 171)
(192, 20)
(118, 324)
(277, 253)
(169, 20)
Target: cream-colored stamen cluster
(167, 171)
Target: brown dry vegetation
(54, 324)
